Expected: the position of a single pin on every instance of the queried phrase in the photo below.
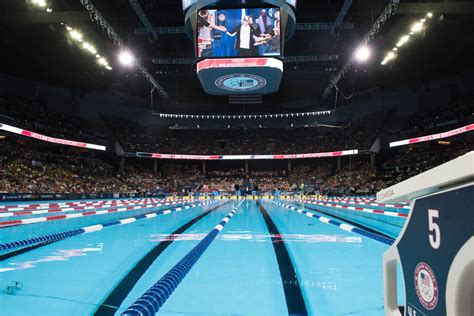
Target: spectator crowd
(29, 166)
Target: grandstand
(121, 111)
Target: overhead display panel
(189, 3)
(247, 32)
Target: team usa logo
(426, 286)
(241, 82)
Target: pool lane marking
(355, 224)
(407, 207)
(125, 286)
(87, 205)
(34, 220)
(79, 208)
(66, 208)
(349, 228)
(153, 299)
(355, 208)
(293, 294)
(88, 229)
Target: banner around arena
(426, 138)
(49, 139)
(247, 157)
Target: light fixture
(429, 14)
(75, 35)
(403, 40)
(362, 53)
(102, 61)
(41, 3)
(126, 58)
(49, 10)
(417, 27)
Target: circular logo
(240, 82)
(426, 286)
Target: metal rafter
(388, 11)
(342, 14)
(141, 15)
(96, 16)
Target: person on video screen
(223, 43)
(205, 26)
(264, 22)
(246, 37)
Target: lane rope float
(153, 299)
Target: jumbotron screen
(239, 32)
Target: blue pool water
(243, 272)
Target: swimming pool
(264, 257)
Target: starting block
(436, 246)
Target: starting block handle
(390, 259)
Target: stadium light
(126, 58)
(102, 61)
(417, 27)
(403, 40)
(41, 3)
(75, 35)
(89, 47)
(362, 53)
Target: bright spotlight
(403, 40)
(126, 58)
(417, 27)
(76, 35)
(390, 56)
(362, 54)
(41, 3)
(429, 14)
(102, 61)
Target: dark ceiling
(34, 46)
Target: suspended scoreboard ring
(239, 44)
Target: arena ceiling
(34, 46)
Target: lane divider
(356, 208)
(72, 209)
(343, 226)
(352, 199)
(46, 206)
(35, 220)
(153, 299)
(90, 229)
(404, 206)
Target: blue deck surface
(338, 272)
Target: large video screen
(239, 32)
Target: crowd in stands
(32, 115)
(359, 134)
(27, 167)
(25, 170)
(445, 118)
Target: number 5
(435, 232)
